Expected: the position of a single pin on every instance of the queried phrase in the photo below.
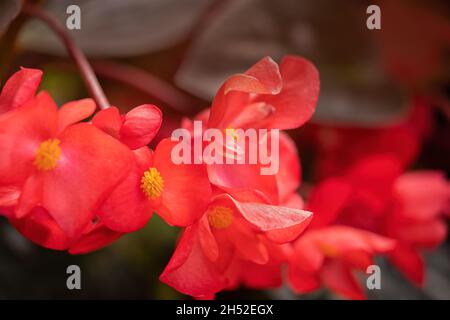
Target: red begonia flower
(328, 255)
(421, 198)
(178, 193)
(54, 171)
(269, 275)
(276, 188)
(375, 195)
(423, 194)
(205, 259)
(268, 97)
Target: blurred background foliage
(176, 54)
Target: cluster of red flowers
(370, 209)
(69, 184)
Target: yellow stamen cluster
(152, 184)
(220, 217)
(47, 155)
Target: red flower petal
(22, 133)
(343, 239)
(207, 240)
(237, 178)
(296, 102)
(189, 270)
(301, 281)
(359, 259)
(423, 194)
(127, 209)
(262, 78)
(187, 189)
(248, 244)
(91, 164)
(307, 255)
(108, 120)
(336, 242)
(140, 126)
(327, 201)
(294, 201)
(9, 196)
(39, 227)
(339, 278)
(19, 89)
(31, 195)
(288, 177)
(376, 175)
(280, 224)
(94, 240)
(257, 276)
(428, 234)
(409, 262)
(75, 111)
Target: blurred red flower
(328, 255)
(375, 196)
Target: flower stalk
(86, 71)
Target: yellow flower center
(220, 217)
(152, 184)
(47, 155)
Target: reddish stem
(85, 69)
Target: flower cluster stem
(85, 69)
